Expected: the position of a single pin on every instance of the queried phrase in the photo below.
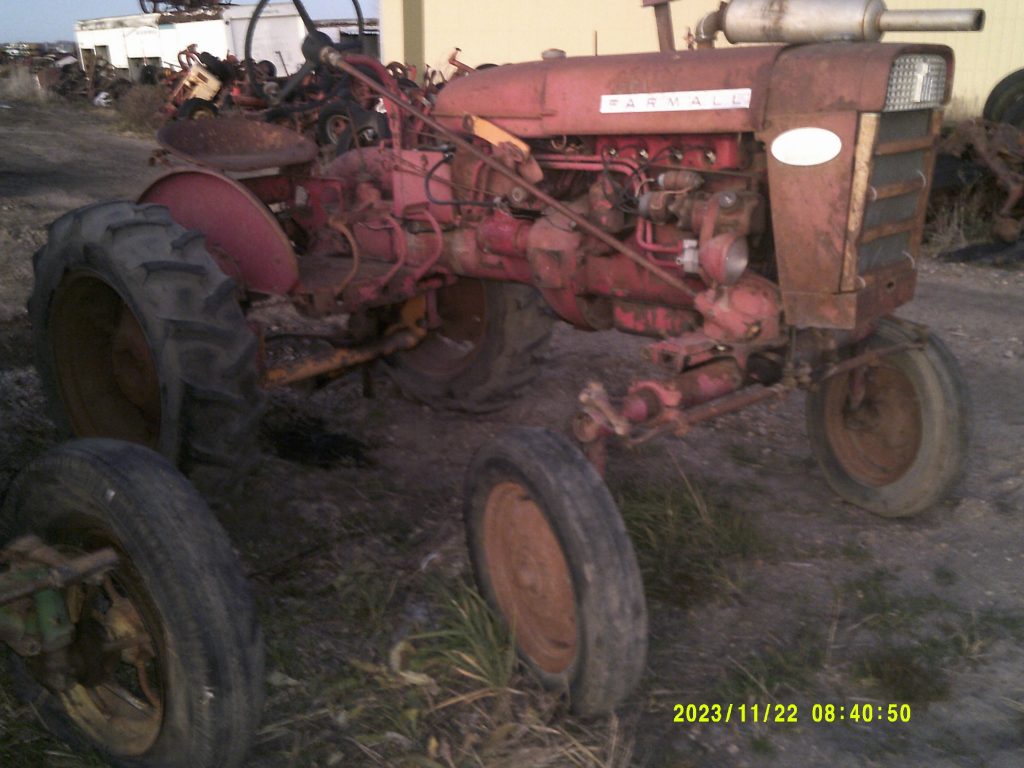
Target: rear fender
(241, 233)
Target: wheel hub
(878, 439)
(530, 576)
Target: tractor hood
(707, 91)
(717, 91)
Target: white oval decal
(806, 146)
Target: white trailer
(129, 42)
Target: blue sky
(43, 20)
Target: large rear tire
(551, 555)
(1006, 93)
(903, 448)
(139, 336)
(487, 348)
(167, 658)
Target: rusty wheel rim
(117, 697)
(877, 441)
(453, 347)
(106, 374)
(528, 572)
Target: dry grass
(452, 696)
(137, 109)
(958, 219)
(17, 83)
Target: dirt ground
(817, 603)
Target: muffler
(814, 21)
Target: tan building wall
(500, 31)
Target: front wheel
(895, 441)
(165, 667)
(551, 554)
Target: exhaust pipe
(816, 21)
(965, 20)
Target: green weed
(683, 542)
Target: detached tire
(139, 336)
(904, 448)
(196, 109)
(183, 687)
(486, 350)
(551, 555)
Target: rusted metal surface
(235, 144)
(530, 577)
(107, 676)
(564, 97)
(241, 232)
(877, 440)
(59, 572)
(405, 335)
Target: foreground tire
(551, 555)
(139, 336)
(184, 686)
(486, 350)
(904, 448)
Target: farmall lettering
(678, 101)
(445, 239)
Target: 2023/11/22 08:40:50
(789, 713)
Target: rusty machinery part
(551, 554)
(892, 437)
(315, 50)
(484, 345)
(160, 661)
(999, 147)
(139, 336)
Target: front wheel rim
(527, 569)
(878, 441)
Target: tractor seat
(235, 144)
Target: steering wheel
(294, 80)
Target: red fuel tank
(671, 92)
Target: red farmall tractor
(756, 211)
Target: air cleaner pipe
(663, 18)
(964, 20)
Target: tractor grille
(895, 156)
